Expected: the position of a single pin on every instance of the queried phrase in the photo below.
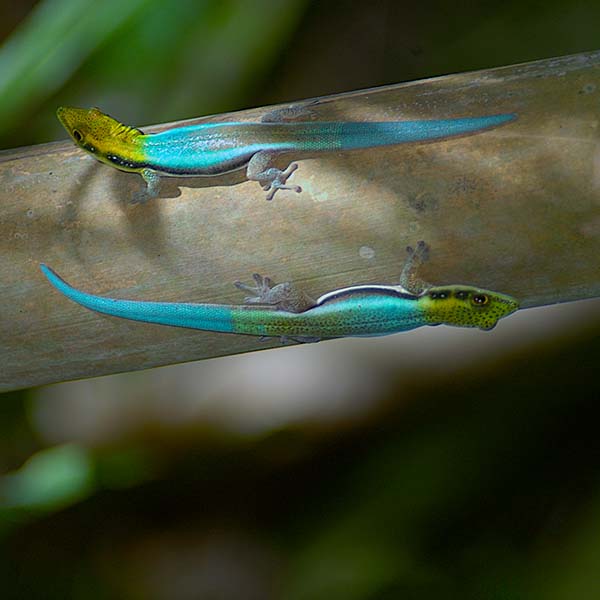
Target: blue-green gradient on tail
(355, 311)
(215, 317)
(209, 149)
(338, 318)
(214, 147)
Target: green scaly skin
(209, 149)
(284, 311)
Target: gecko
(287, 312)
(211, 149)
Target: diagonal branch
(515, 209)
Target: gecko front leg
(270, 178)
(152, 179)
(259, 169)
(409, 279)
(285, 296)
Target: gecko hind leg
(293, 112)
(285, 296)
(299, 339)
(409, 279)
(270, 178)
(285, 339)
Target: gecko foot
(419, 254)
(285, 296)
(293, 112)
(270, 178)
(300, 339)
(277, 180)
(139, 197)
(409, 279)
(261, 292)
(286, 339)
(152, 179)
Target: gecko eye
(77, 135)
(480, 299)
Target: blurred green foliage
(487, 486)
(145, 60)
(49, 479)
(484, 486)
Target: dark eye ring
(77, 135)
(480, 299)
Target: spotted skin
(369, 310)
(465, 306)
(210, 149)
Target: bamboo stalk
(515, 209)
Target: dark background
(477, 478)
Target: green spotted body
(355, 311)
(209, 149)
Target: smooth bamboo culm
(514, 209)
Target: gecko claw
(284, 296)
(284, 340)
(279, 181)
(420, 252)
(260, 291)
(139, 198)
(409, 278)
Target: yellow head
(465, 306)
(103, 137)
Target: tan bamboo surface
(515, 209)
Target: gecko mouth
(61, 113)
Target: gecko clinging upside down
(209, 149)
(284, 311)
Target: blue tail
(211, 317)
(370, 134)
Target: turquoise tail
(209, 317)
(367, 135)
